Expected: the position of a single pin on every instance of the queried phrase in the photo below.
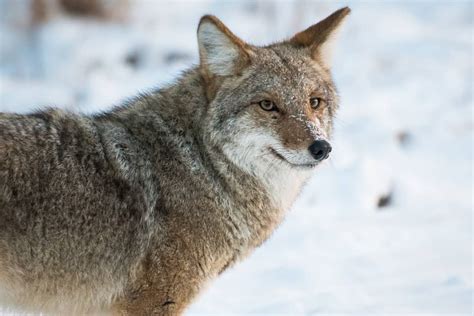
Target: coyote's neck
(284, 186)
(282, 183)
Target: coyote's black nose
(320, 149)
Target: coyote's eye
(268, 105)
(315, 102)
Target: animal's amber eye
(315, 102)
(267, 105)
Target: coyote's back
(61, 204)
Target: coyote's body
(134, 210)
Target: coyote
(133, 211)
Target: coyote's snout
(320, 150)
(133, 211)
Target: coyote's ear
(221, 53)
(320, 37)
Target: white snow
(401, 67)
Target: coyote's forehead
(290, 76)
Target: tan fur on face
(294, 78)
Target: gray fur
(133, 211)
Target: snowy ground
(405, 128)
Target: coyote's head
(270, 107)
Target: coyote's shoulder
(134, 210)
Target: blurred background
(385, 226)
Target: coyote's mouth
(281, 157)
